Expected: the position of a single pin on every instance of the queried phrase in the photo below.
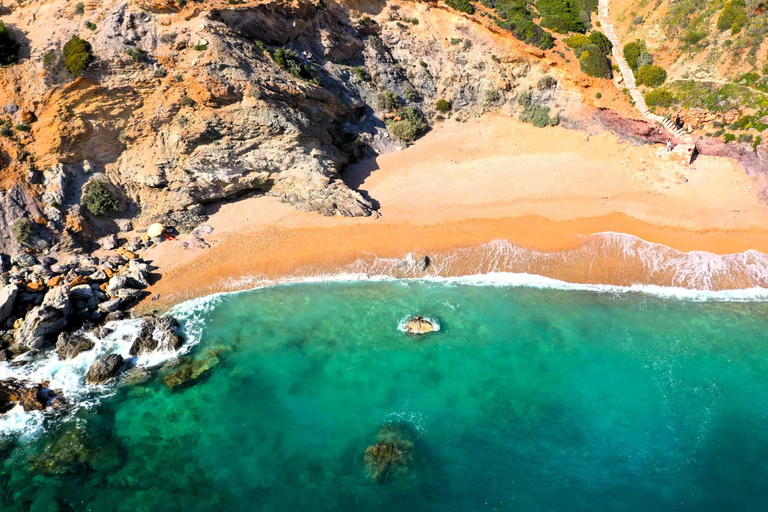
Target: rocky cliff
(184, 105)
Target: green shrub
(411, 125)
(524, 29)
(632, 52)
(90, 25)
(745, 138)
(601, 41)
(599, 95)
(758, 140)
(547, 82)
(362, 74)
(693, 37)
(538, 116)
(733, 17)
(461, 5)
(594, 62)
(562, 16)
(9, 47)
(410, 93)
(22, 231)
(135, 54)
(729, 137)
(79, 8)
(443, 106)
(187, 101)
(652, 76)
(23, 127)
(290, 62)
(414, 21)
(387, 101)
(6, 131)
(576, 41)
(77, 55)
(659, 98)
(98, 199)
(644, 59)
(200, 47)
(49, 58)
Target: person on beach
(669, 145)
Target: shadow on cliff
(355, 175)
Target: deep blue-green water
(526, 400)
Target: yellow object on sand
(155, 229)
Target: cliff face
(184, 106)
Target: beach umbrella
(155, 230)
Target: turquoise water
(527, 399)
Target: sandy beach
(467, 184)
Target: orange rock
(78, 281)
(55, 281)
(127, 254)
(103, 287)
(18, 323)
(109, 272)
(35, 287)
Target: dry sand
(466, 184)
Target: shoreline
(544, 191)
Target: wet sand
(467, 184)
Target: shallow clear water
(527, 399)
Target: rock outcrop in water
(391, 458)
(419, 325)
(69, 346)
(157, 335)
(104, 369)
(31, 396)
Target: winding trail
(629, 77)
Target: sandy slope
(465, 184)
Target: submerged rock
(419, 325)
(190, 372)
(391, 458)
(157, 334)
(104, 368)
(69, 346)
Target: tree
(98, 199)
(77, 55)
(652, 76)
(733, 17)
(601, 41)
(9, 47)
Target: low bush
(362, 74)
(22, 231)
(652, 76)
(538, 116)
(547, 82)
(135, 54)
(729, 137)
(443, 106)
(562, 16)
(733, 17)
(90, 25)
(387, 101)
(78, 55)
(594, 62)
(461, 5)
(576, 41)
(410, 126)
(290, 62)
(632, 52)
(659, 98)
(9, 47)
(98, 199)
